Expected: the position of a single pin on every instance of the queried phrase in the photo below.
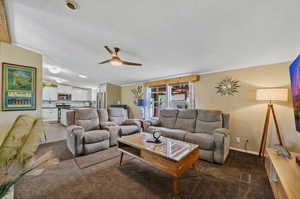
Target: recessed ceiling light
(82, 76)
(53, 69)
(71, 4)
(56, 79)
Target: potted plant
(17, 149)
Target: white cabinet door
(45, 93)
(50, 93)
(64, 89)
(85, 95)
(79, 94)
(68, 89)
(93, 96)
(76, 94)
(61, 89)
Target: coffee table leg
(194, 165)
(176, 188)
(121, 158)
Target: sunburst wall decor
(227, 86)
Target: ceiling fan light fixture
(115, 63)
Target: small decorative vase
(156, 135)
(10, 193)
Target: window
(158, 100)
(177, 96)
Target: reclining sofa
(207, 128)
(92, 130)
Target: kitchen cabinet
(93, 95)
(64, 89)
(50, 93)
(79, 94)
(50, 115)
(76, 94)
(85, 95)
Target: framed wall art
(18, 87)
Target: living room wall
(247, 114)
(17, 55)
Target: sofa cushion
(117, 115)
(129, 129)
(87, 119)
(177, 134)
(94, 147)
(204, 140)
(208, 120)
(186, 120)
(168, 117)
(95, 136)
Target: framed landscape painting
(18, 87)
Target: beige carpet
(242, 177)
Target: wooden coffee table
(171, 156)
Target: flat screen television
(295, 86)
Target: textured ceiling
(169, 37)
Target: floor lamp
(271, 94)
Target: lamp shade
(272, 94)
(141, 102)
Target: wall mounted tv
(295, 86)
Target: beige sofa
(207, 128)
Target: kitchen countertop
(49, 108)
(67, 108)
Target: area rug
(241, 177)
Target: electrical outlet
(238, 139)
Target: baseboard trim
(244, 151)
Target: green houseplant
(17, 148)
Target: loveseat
(207, 128)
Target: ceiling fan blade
(104, 62)
(131, 63)
(107, 48)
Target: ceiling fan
(115, 60)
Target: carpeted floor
(242, 177)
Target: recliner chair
(119, 117)
(85, 134)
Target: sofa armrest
(75, 139)
(114, 134)
(153, 122)
(148, 123)
(223, 131)
(136, 122)
(103, 125)
(222, 141)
